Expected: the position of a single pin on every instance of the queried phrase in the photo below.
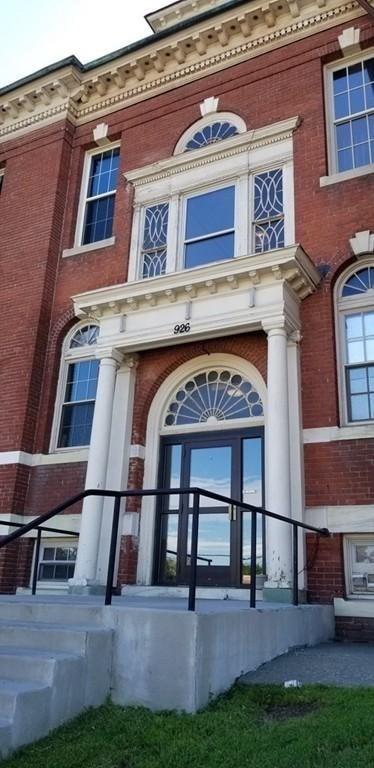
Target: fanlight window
(85, 336)
(212, 397)
(360, 282)
(210, 134)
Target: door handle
(232, 513)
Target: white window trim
(349, 543)
(216, 117)
(243, 219)
(51, 541)
(334, 174)
(82, 203)
(67, 356)
(348, 306)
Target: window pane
(356, 352)
(213, 546)
(361, 155)
(369, 92)
(370, 349)
(103, 173)
(61, 553)
(369, 71)
(340, 82)
(358, 381)
(341, 105)
(360, 407)
(345, 160)
(48, 553)
(209, 250)
(209, 213)
(99, 219)
(46, 572)
(343, 135)
(76, 425)
(355, 75)
(353, 325)
(82, 380)
(269, 236)
(357, 100)
(359, 130)
(268, 192)
(169, 544)
(369, 323)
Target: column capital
(280, 324)
(295, 338)
(130, 361)
(109, 353)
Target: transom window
(210, 134)
(212, 397)
(78, 385)
(99, 190)
(209, 234)
(357, 309)
(353, 110)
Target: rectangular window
(100, 196)
(268, 211)
(154, 242)
(353, 109)
(210, 233)
(359, 551)
(359, 332)
(79, 403)
(57, 562)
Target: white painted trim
(333, 434)
(216, 117)
(156, 411)
(68, 356)
(334, 174)
(82, 249)
(67, 456)
(354, 173)
(137, 452)
(67, 522)
(83, 192)
(355, 607)
(353, 518)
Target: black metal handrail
(40, 530)
(196, 493)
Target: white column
(86, 565)
(296, 444)
(119, 455)
(278, 487)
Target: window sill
(334, 178)
(80, 249)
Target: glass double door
(230, 464)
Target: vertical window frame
(83, 197)
(344, 307)
(332, 157)
(2, 175)
(68, 356)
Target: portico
(247, 294)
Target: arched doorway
(211, 435)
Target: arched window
(77, 388)
(356, 320)
(210, 129)
(213, 397)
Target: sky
(35, 33)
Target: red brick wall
(354, 629)
(15, 565)
(325, 566)
(128, 560)
(54, 484)
(339, 473)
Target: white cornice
(259, 137)
(289, 264)
(185, 55)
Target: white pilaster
(85, 569)
(119, 455)
(278, 487)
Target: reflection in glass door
(229, 464)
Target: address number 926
(182, 328)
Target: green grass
(254, 727)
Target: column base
(86, 589)
(282, 595)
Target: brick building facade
(150, 205)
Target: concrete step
(47, 636)
(53, 611)
(5, 736)
(25, 709)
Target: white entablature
(243, 294)
(215, 42)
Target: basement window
(57, 561)
(359, 565)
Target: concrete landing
(342, 664)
